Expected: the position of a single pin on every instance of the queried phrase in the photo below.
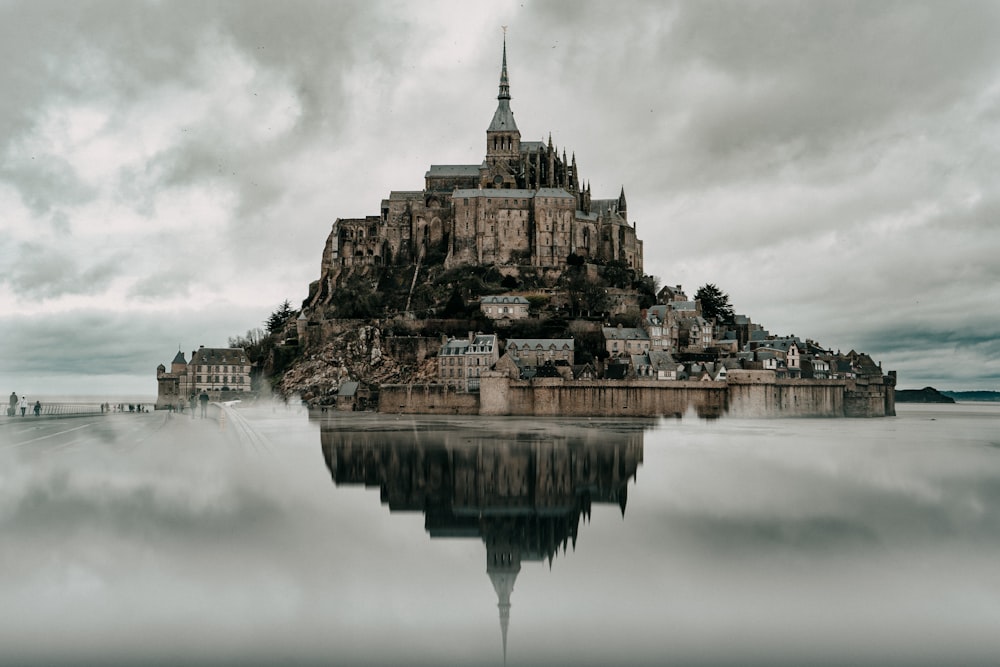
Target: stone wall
(759, 393)
(553, 397)
(427, 399)
(746, 394)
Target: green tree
(619, 274)
(278, 318)
(715, 304)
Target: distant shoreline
(112, 399)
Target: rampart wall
(426, 399)
(745, 394)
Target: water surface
(273, 538)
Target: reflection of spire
(503, 562)
(503, 584)
(522, 493)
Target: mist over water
(268, 537)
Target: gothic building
(524, 205)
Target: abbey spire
(503, 140)
(503, 118)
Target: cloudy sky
(169, 171)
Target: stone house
(219, 371)
(660, 323)
(462, 361)
(621, 342)
(504, 307)
(536, 351)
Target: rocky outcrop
(356, 354)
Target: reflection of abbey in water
(522, 493)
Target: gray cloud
(40, 272)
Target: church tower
(503, 140)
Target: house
(620, 342)
(660, 323)
(536, 351)
(818, 369)
(347, 396)
(508, 366)
(504, 307)
(462, 361)
(671, 293)
(218, 371)
(664, 366)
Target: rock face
(925, 395)
(354, 354)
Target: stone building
(461, 361)
(504, 307)
(216, 370)
(525, 205)
(536, 351)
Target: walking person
(204, 403)
(23, 405)
(38, 408)
(193, 402)
(13, 404)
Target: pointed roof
(179, 359)
(503, 584)
(503, 118)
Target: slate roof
(455, 346)
(684, 305)
(453, 170)
(661, 361)
(348, 389)
(219, 355)
(624, 333)
(540, 343)
(504, 298)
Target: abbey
(524, 205)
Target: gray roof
(455, 346)
(349, 388)
(493, 192)
(624, 333)
(554, 192)
(503, 118)
(661, 360)
(453, 170)
(684, 305)
(406, 194)
(503, 298)
(658, 311)
(219, 355)
(487, 341)
(543, 343)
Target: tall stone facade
(216, 370)
(524, 205)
